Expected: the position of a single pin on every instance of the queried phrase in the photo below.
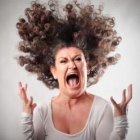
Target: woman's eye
(78, 59)
(63, 61)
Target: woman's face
(70, 70)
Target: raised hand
(121, 108)
(28, 105)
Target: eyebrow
(73, 57)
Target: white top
(99, 125)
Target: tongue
(72, 82)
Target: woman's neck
(70, 101)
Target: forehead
(69, 52)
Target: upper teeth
(72, 74)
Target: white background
(116, 78)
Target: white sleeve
(111, 129)
(32, 126)
(120, 127)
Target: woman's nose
(72, 65)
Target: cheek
(61, 72)
(85, 71)
(83, 67)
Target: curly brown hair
(43, 31)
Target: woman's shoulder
(42, 109)
(99, 107)
(99, 100)
(100, 104)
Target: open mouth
(73, 80)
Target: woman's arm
(115, 129)
(32, 125)
(111, 128)
(31, 118)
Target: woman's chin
(74, 91)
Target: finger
(114, 102)
(123, 97)
(30, 101)
(22, 93)
(20, 85)
(25, 87)
(22, 90)
(129, 96)
(34, 105)
(24, 96)
(130, 89)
